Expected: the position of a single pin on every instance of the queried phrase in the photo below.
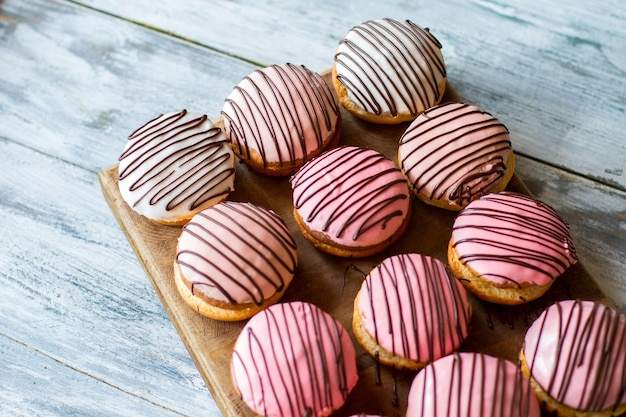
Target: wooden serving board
(330, 282)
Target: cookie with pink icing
(351, 201)
(453, 153)
(471, 384)
(279, 117)
(294, 360)
(389, 71)
(508, 248)
(575, 355)
(410, 311)
(174, 166)
(233, 260)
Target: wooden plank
(73, 291)
(553, 74)
(34, 384)
(327, 282)
(87, 80)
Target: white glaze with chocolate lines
(293, 360)
(454, 152)
(237, 252)
(176, 165)
(513, 239)
(471, 384)
(391, 67)
(284, 113)
(576, 352)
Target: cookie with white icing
(389, 71)
(175, 166)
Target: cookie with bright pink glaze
(293, 360)
(575, 356)
(508, 248)
(351, 201)
(279, 117)
(454, 153)
(410, 311)
(471, 384)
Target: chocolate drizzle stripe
(177, 161)
(257, 257)
(467, 174)
(411, 52)
(537, 239)
(433, 295)
(270, 98)
(294, 349)
(366, 206)
(591, 339)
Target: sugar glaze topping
(355, 195)
(236, 252)
(513, 239)
(391, 67)
(576, 351)
(176, 165)
(454, 152)
(413, 308)
(283, 112)
(293, 359)
(473, 385)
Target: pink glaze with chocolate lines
(355, 195)
(471, 384)
(576, 352)
(513, 239)
(293, 360)
(413, 308)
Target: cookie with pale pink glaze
(233, 260)
(410, 311)
(473, 385)
(175, 166)
(389, 71)
(351, 201)
(279, 117)
(294, 360)
(508, 248)
(575, 356)
(454, 153)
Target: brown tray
(330, 282)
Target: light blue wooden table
(81, 330)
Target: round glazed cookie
(410, 311)
(509, 248)
(175, 166)
(389, 71)
(575, 357)
(453, 153)
(279, 117)
(351, 201)
(233, 260)
(294, 360)
(471, 385)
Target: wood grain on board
(330, 282)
